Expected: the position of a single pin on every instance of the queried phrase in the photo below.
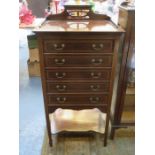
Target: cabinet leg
(50, 138)
(50, 142)
(112, 133)
(49, 130)
(105, 139)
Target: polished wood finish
(57, 74)
(78, 87)
(127, 21)
(79, 26)
(78, 59)
(72, 46)
(78, 99)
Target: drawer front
(73, 60)
(80, 46)
(66, 87)
(78, 74)
(78, 99)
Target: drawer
(78, 74)
(78, 99)
(76, 87)
(73, 60)
(82, 46)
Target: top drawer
(79, 46)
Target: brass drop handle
(59, 61)
(97, 62)
(61, 99)
(95, 75)
(61, 87)
(97, 48)
(60, 75)
(94, 99)
(95, 87)
(59, 47)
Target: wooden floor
(123, 144)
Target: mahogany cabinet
(123, 113)
(78, 55)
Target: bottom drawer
(78, 99)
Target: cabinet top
(78, 26)
(76, 18)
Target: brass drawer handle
(94, 99)
(97, 62)
(59, 61)
(59, 48)
(61, 87)
(95, 87)
(61, 99)
(60, 75)
(95, 75)
(97, 48)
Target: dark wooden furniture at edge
(78, 47)
(126, 21)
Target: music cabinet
(78, 54)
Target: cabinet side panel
(43, 81)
